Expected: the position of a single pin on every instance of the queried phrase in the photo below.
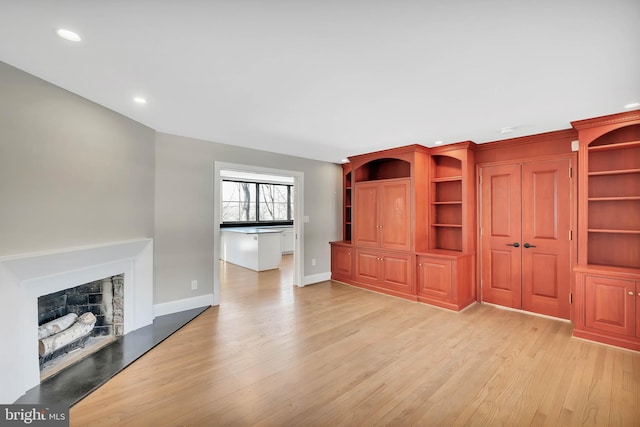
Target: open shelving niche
(446, 205)
(613, 201)
(347, 200)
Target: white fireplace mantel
(23, 278)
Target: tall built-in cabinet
(446, 271)
(411, 221)
(341, 253)
(389, 204)
(607, 294)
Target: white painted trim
(316, 278)
(298, 222)
(23, 278)
(182, 305)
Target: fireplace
(25, 278)
(59, 314)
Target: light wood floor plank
(333, 355)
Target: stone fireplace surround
(23, 278)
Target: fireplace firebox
(101, 301)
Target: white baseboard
(316, 278)
(182, 305)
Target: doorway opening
(258, 221)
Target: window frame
(258, 222)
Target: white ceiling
(326, 79)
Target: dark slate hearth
(72, 384)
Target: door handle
(515, 245)
(526, 245)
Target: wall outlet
(313, 261)
(194, 284)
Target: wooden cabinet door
(610, 305)
(545, 244)
(638, 309)
(368, 266)
(501, 232)
(365, 210)
(341, 261)
(434, 278)
(397, 271)
(395, 215)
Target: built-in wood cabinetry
(341, 261)
(346, 202)
(412, 224)
(452, 216)
(383, 214)
(389, 211)
(446, 271)
(608, 270)
(607, 304)
(446, 280)
(385, 271)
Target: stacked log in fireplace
(69, 318)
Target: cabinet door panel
(367, 266)
(434, 278)
(395, 215)
(366, 215)
(501, 227)
(610, 305)
(638, 309)
(341, 261)
(546, 270)
(397, 272)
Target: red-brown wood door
(501, 235)
(365, 211)
(546, 222)
(395, 215)
(526, 220)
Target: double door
(525, 236)
(382, 237)
(383, 214)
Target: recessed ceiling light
(139, 100)
(437, 143)
(68, 35)
(506, 130)
(344, 161)
(632, 105)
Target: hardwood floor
(332, 355)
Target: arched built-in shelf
(613, 198)
(385, 168)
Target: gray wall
(71, 172)
(74, 173)
(184, 200)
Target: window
(252, 202)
